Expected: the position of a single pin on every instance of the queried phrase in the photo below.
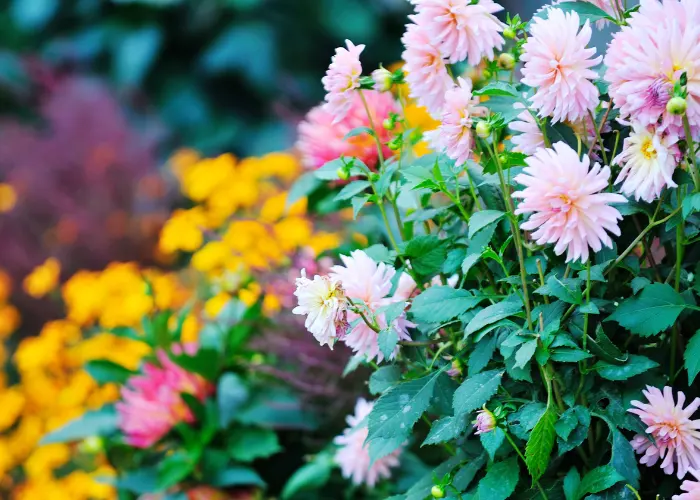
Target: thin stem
(588, 301)
(420, 343)
(636, 493)
(472, 189)
(367, 321)
(691, 152)
(375, 135)
(540, 271)
(522, 457)
(680, 250)
(598, 129)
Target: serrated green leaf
(603, 347)
(481, 355)
(691, 204)
(566, 355)
(492, 314)
(383, 378)
(464, 476)
(599, 479)
(445, 429)
(692, 357)
(654, 310)
(388, 339)
(246, 445)
(352, 189)
(567, 423)
(492, 441)
(497, 88)
(623, 458)
(635, 365)
(639, 283)
(522, 421)
(357, 203)
(476, 391)
(469, 262)
(479, 220)
(525, 353)
(540, 445)
(586, 11)
(500, 480)
(427, 253)
(439, 304)
(568, 290)
(572, 480)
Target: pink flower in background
(676, 437)
(649, 160)
(461, 29)
(151, 403)
(557, 66)
(342, 79)
(322, 140)
(691, 488)
(426, 70)
(567, 201)
(367, 281)
(646, 58)
(323, 302)
(530, 138)
(353, 453)
(454, 135)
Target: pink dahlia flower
(151, 403)
(530, 138)
(646, 58)
(676, 437)
(462, 29)
(342, 79)
(426, 70)
(454, 135)
(557, 66)
(649, 160)
(323, 302)
(353, 454)
(691, 488)
(567, 201)
(369, 282)
(322, 140)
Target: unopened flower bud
(483, 129)
(677, 106)
(395, 144)
(506, 61)
(437, 491)
(389, 123)
(374, 177)
(485, 421)
(383, 79)
(343, 173)
(91, 445)
(509, 33)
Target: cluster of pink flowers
(152, 403)
(353, 453)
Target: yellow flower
(321, 242)
(271, 303)
(8, 197)
(12, 403)
(281, 165)
(182, 160)
(190, 329)
(122, 351)
(292, 232)
(211, 256)
(9, 320)
(43, 278)
(45, 459)
(6, 458)
(26, 436)
(215, 305)
(203, 178)
(83, 486)
(82, 295)
(5, 286)
(167, 290)
(125, 295)
(183, 231)
(250, 294)
(44, 488)
(419, 118)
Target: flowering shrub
(531, 321)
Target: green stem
(680, 250)
(522, 457)
(636, 493)
(597, 134)
(691, 152)
(375, 135)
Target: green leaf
(421, 488)
(566, 355)
(302, 187)
(568, 290)
(623, 458)
(572, 480)
(525, 353)
(481, 355)
(500, 480)
(204, 362)
(359, 131)
(497, 88)
(589, 308)
(231, 394)
(445, 429)
(234, 476)
(691, 204)
(439, 304)
(464, 476)
(383, 378)
(598, 479)
(352, 189)
(479, 220)
(476, 391)
(387, 339)
(540, 445)
(522, 421)
(586, 11)
(692, 357)
(492, 441)
(567, 423)
(311, 476)
(173, 469)
(603, 347)
(639, 283)
(635, 365)
(248, 444)
(32, 15)
(135, 53)
(357, 203)
(491, 314)
(100, 422)
(396, 411)
(469, 262)
(654, 310)
(579, 433)
(427, 253)
(105, 371)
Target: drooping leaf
(623, 458)
(352, 189)
(439, 304)
(539, 447)
(572, 480)
(476, 391)
(492, 441)
(500, 480)
(599, 479)
(654, 310)
(692, 357)
(492, 314)
(482, 354)
(635, 365)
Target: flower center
(658, 93)
(648, 149)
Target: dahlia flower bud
(485, 421)
(483, 129)
(509, 33)
(437, 491)
(323, 302)
(343, 173)
(506, 61)
(383, 79)
(677, 106)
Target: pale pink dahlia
(426, 70)
(353, 454)
(676, 437)
(322, 140)
(342, 79)
(151, 404)
(454, 135)
(646, 58)
(461, 28)
(557, 66)
(567, 201)
(323, 302)
(530, 138)
(368, 282)
(649, 160)
(691, 488)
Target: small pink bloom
(322, 140)
(151, 403)
(530, 138)
(649, 160)
(369, 282)
(342, 79)
(557, 66)
(462, 29)
(322, 300)
(676, 437)
(454, 135)
(353, 453)
(646, 58)
(485, 422)
(691, 488)
(426, 70)
(567, 201)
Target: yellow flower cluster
(43, 279)
(9, 315)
